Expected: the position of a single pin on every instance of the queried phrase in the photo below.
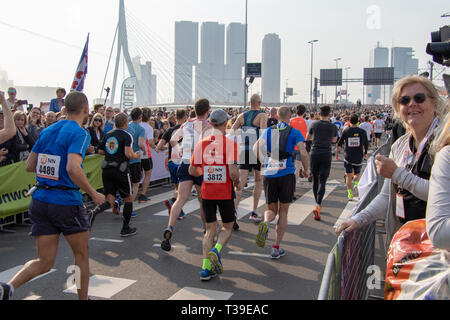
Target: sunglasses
(98, 120)
(418, 98)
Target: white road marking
(259, 255)
(189, 293)
(33, 297)
(107, 240)
(347, 212)
(103, 286)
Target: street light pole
(335, 99)
(246, 52)
(346, 85)
(312, 56)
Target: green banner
(15, 183)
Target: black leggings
(320, 170)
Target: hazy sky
(346, 29)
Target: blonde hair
(431, 92)
(18, 114)
(443, 135)
(91, 124)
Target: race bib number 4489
(48, 167)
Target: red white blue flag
(80, 74)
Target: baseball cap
(218, 117)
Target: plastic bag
(415, 269)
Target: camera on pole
(439, 47)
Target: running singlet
(250, 132)
(213, 155)
(136, 132)
(53, 147)
(191, 137)
(274, 168)
(114, 144)
(300, 124)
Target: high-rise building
(186, 57)
(235, 54)
(209, 74)
(403, 62)
(379, 58)
(146, 83)
(271, 68)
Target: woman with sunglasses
(35, 124)
(403, 198)
(438, 205)
(96, 131)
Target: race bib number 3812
(48, 166)
(215, 174)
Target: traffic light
(439, 47)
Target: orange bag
(415, 269)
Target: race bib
(48, 166)
(354, 142)
(215, 174)
(276, 165)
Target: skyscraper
(186, 57)
(146, 83)
(379, 58)
(271, 68)
(235, 54)
(403, 62)
(209, 74)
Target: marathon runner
(356, 147)
(57, 206)
(298, 123)
(322, 134)
(378, 129)
(146, 159)
(174, 161)
(117, 146)
(215, 161)
(192, 131)
(250, 123)
(278, 143)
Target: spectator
(158, 121)
(116, 111)
(96, 130)
(35, 125)
(99, 108)
(23, 141)
(50, 118)
(403, 198)
(57, 103)
(7, 129)
(109, 120)
(438, 205)
(12, 102)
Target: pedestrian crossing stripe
(189, 293)
(103, 286)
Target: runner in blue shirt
(57, 206)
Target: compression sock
(206, 264)
(356, 184)
(350, 193)
(103, 207)
(218, 247)
(127, 210)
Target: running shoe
(142, 199)
(255, 217)
(277, 253)
(206, 275)
(216, 263)
(165, 244)
(128, 232)
(133, 214)
(261, 237)
(235, 226)
(316, 211)
(168, 204)
(350, 195)
(182, 215)
(116, 208)
(5, 291)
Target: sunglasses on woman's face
(418, 98)
(97, 120)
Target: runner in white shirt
(379, 126)
(366, 127)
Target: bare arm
(195, 171)
(263, 121)
(9, 129)
(31, 162)
(161, 145)
(260, 149)
(305, 158)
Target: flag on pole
(80, 74)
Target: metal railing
(345, 274)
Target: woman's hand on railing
(347, 226)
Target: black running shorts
(135, 172)
(226, 209)
(147, 164)
(280, 189)
(115, 181)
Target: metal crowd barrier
(345, 274)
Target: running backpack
(282, 143)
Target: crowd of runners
(210, 151)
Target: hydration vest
(282, 142)
(250, 132)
